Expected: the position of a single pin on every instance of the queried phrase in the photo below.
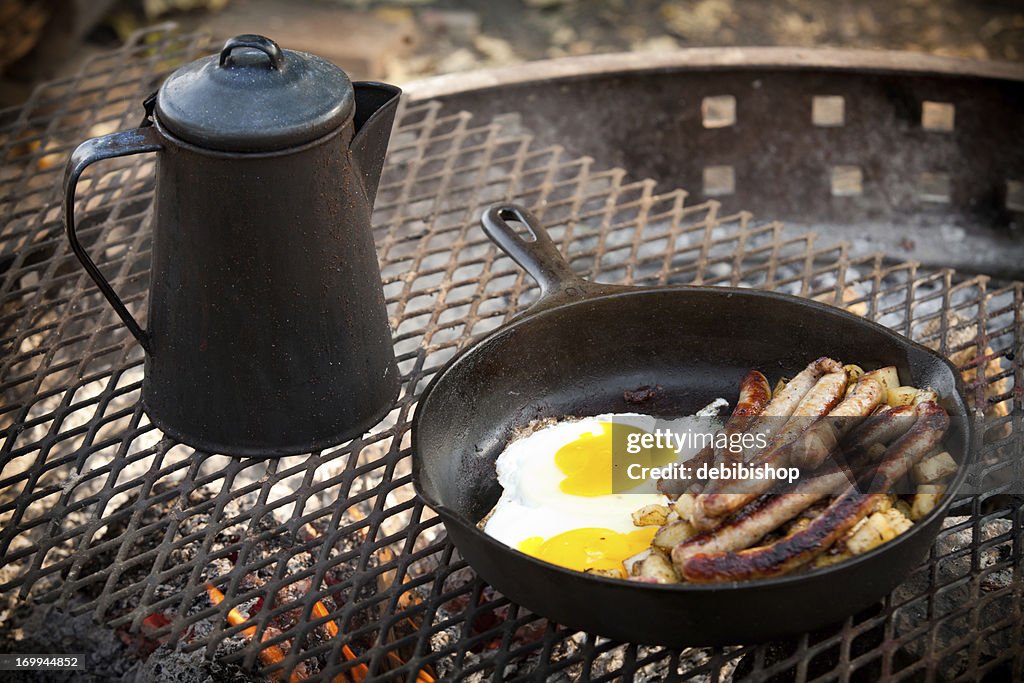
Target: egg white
(532, 502)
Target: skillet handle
(538, 256)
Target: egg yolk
(597, 464)
(589, 548)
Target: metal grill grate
(104, 515)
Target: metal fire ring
(913, 155)
(155, 559)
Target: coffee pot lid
(254, 97)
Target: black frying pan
(574, 352)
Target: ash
(149, 656)
(31, 628)
(168, 665)
(569, 653)
(963, 541)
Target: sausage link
(754, 396)
(841, 515)
(785, 402)
(815, 445)
(731, 495)
(881, 427)
(770, 511)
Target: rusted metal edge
(712, 59)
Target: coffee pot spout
(376, 104)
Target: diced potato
(610, 573)
(883, 504)
(853, 372)
(888, 376)
(925, 500)
(934, 468)
(799, 525)
(650, 515)
(673, 516)
(671, 535)
(903, 507)
(684, 506)
(642, 579)
(926, 394)
(856, 527)
(877, 528)
(901, 396)
(864, 537)
(897, 520)
(658, 567)
(829, 559)
(880, 521)
(778, 387)
(632, 564)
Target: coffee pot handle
(136, 141)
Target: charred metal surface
(107, 519)
(912, 155)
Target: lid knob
(254, 97)
(256, 42)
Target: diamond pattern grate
(104, 515)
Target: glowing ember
(269, 655)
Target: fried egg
(566, 502)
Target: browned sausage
(770, 511)
(881, 427)
(785, 402)
(730, 495)
(757, 396)
(754, 396)
(785, 554)
(817, 442)
(841, 515)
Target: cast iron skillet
(574, 352)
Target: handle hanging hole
(517, 224)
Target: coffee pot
(267, 332)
